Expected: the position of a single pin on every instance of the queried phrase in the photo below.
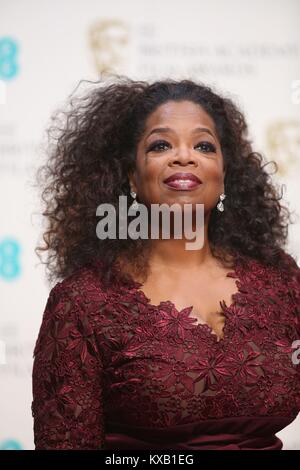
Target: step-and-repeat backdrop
(248, 50)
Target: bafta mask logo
(108, 40)
(283, 145)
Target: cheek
(213, 172)
(148, 180)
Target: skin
(185, 277)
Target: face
(179, 137)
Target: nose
(183, 157)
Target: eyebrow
(168, 129)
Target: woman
(143, 343)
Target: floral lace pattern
(108, 359)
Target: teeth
(183, 181)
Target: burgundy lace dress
(113, 371)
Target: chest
(202, 294)
(169, 361)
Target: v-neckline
(226, 310)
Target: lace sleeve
(294, 287)
(66, 378)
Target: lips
(183, 181)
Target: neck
(173, 253)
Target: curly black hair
(91, 149)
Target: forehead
(180, 113)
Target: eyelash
(159, 142)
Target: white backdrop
(249, 50)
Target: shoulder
(70, 305)
(73, 298)
(282, 278)
(82, 286)
(286, 265)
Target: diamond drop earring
(220, 204)
(135, 204)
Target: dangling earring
(220, 205)
(135, 204)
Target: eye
(159, 145)
(156, 146)
(207, 147)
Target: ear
(132, 181)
